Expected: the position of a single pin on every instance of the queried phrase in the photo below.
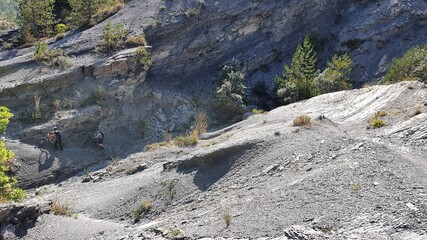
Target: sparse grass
(226, 216)
(59, 208)
(138, 40)
(201, 123)
(377, 123)
(368, 87)
(37, 114)
(142, 209)
(258, 111)
(55, 105)
(356, 186)
(190, 139)
(380, 114)
(264, 121)
(175, 232)
(107, 10)
(303, 120)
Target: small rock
(270, 168)
(412, 207)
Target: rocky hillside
(336, 179)
(190, 41)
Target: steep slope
(190, 40)
(337, 179)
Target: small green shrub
(335, 76)
(143, 57)
(228, 101)
(175, 232)
(192, 12)
(411, 66)
(60, 28)
(112, 38)
(377, 123)
(356, 186)
(50, 57)
(143, 208)
(162, 8)
(303, 120)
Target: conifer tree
(298, 78)
(83, 11)
(36, 17)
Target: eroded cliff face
(137, 107)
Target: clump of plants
(9, 192)
(303, 120)
(142, 209)
(376, 121)
(411, 66)
(112, 38)
(136, 41)
(50, 57)
(229, 95)
(192, 12)
(143, 57)
(59, 208)
(301, 80)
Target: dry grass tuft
(303, 120)
(59, 208)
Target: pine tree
(36, 17)
(83, 11)
(300, 75)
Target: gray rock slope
(337, 179)
(187, 51)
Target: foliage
(90, 12)
(112, 37)
(59, 208)
(201, 123)
(138, 40)
(50, 57)
(189, 139)
(298, 79)
(60, 28)
(36, 18)
(226, 216)
(8, 11)
(303, 120)
(143, 57)
(143, 208)
(335, 76)
(228, 97)
(192, 12)
(5, 115)
(377, 123)
(8, 189)
(412, 65)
